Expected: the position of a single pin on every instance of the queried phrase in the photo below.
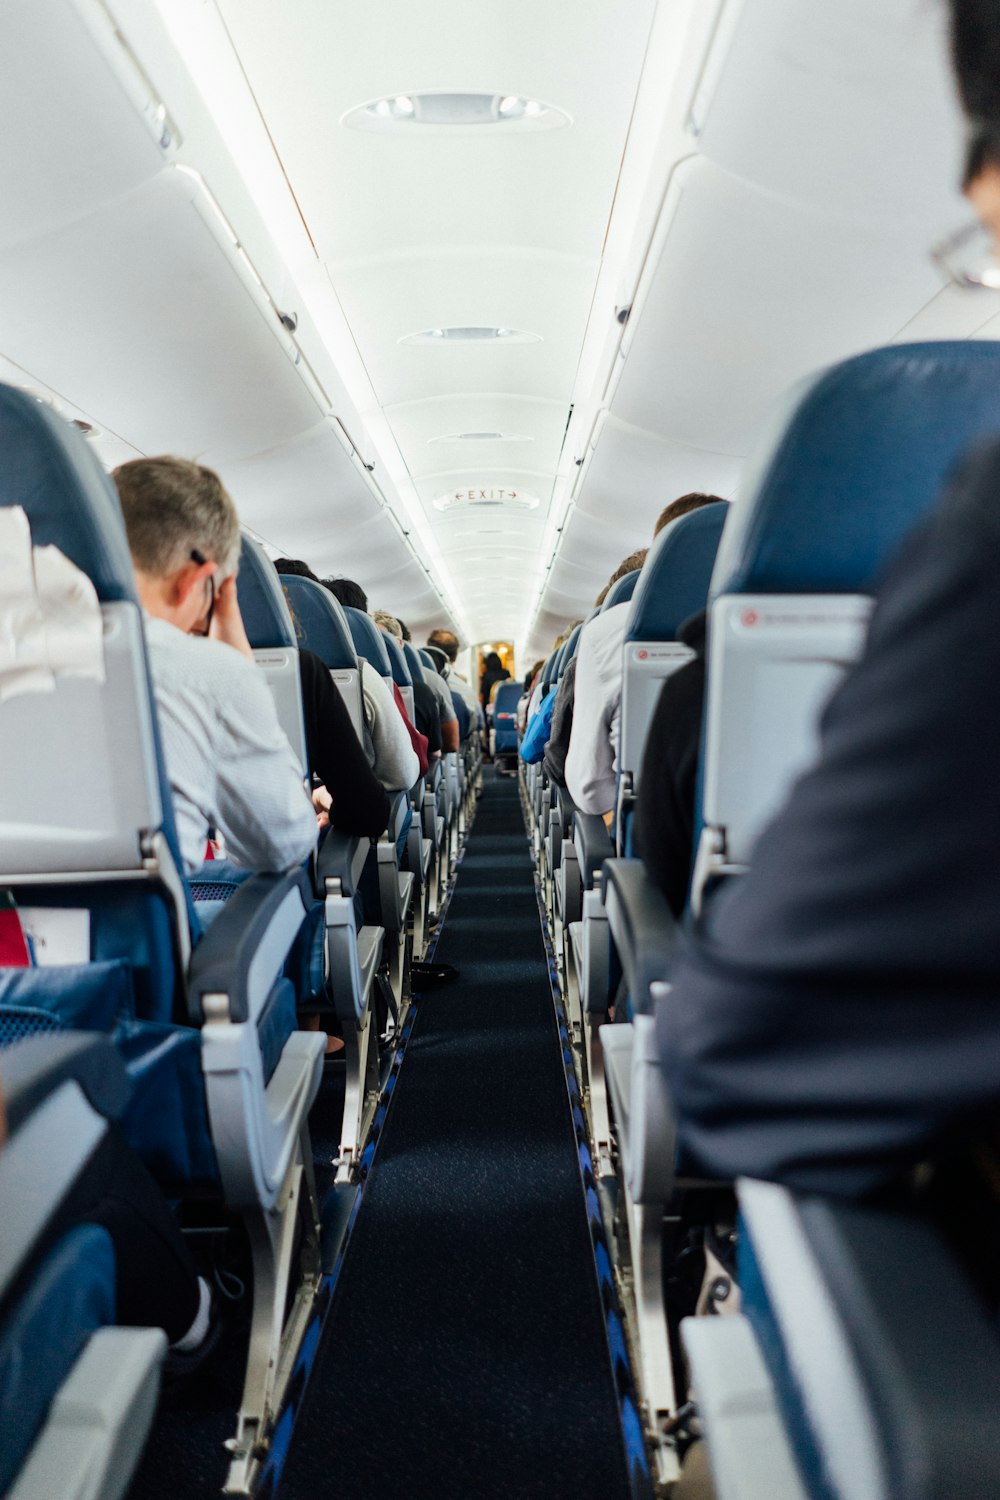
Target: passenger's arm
(337, 757)
(449, 735)
(262, 808)
(396, 763)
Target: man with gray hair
(230, 766)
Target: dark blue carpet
(465, 1354)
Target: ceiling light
(471, 334)
(455, 111)
(481, 437)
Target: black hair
(975, 53)
(348, 592)
(404, 628)
(295, 567)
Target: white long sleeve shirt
(592, 759)
(396, 764)
(229, 763)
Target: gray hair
(388, 622)
(172, 508)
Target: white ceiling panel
(388, 299)
(364, 194)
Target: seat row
(820, 1386)
(199, 984)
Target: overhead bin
(139, 313)
(751, 292)
(634, 473)
(815, 102)
(72, 137)
(310, 495)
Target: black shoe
(429, 976)
(180, 1367)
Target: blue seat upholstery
(673, 585)
(854, 459)
(401, 674)
(426, 660)
(414, 662)
(620, 591)
(273, 637)
(673, 582)
(369, 641)
(57, 1273)
(206, 1023)
(505, 717)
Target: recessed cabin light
(481, 437)
(473, 334)
(456, 110)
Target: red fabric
(14, 951)
(417, 740)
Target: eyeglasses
(969, 258)
(201, 560)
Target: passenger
(348, 794)
(451, 729)
(393, 757)
(494, 671)
(348, 593)
(230, 766)
(592, 758)
(836, 1025)
(448, 642)
(425, 707)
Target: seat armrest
(245, 947)
(399, 806)
(342, 857)
(644, 928)
(36, 1067)
(895, 1361)
(567, 809)
(593, 845)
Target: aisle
(465, 1355)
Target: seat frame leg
(280, 1238)
(361, 1095)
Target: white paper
(57, 935)
(24, 664)
(50, 616)
(74, 629)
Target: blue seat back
(853, 460)
(413, 661)
(369, 641)
(571, 645)
(426, 660)
(400, 671)
(323, 629)
(271, 632)
(95, 802)
(673, 585)
(621, 591)
(505, 715)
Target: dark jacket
(664, 806)
(554, 759)
(336, 756)
(839, 1019)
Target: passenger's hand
(227, 622)
(322, 802)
